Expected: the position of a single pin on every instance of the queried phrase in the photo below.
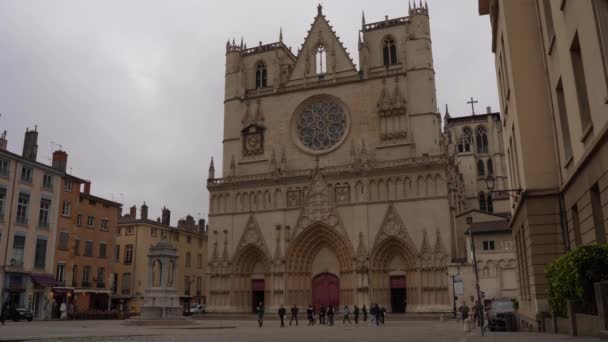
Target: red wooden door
(325, 290)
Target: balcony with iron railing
(86, 284)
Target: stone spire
(362, 19)
(211, 170)
(281, 35)
(319, 10)
(447, 113)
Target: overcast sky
(133, 90)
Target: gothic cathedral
(336, 185)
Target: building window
(63, 240)
(482, 140)
(40, 253)
(598, 216)
(130, 230)
(26, 174)
(114, 283)
(4, 167)
(67, 185)
(74, 275)
(102, 249)
(576, 226)
(2, 200)
(18, 250)
(601, 12)
(117, 253)
(22, 205)
(260, 75)
(389, 52)
(580, 81)
(67, 207)
(187, 285)
(199, 283)
(86, 276)
(320, 58)
(548, 22)
(189, 239)
(188, 261)
(490, 202)
(490, 167)
(480, 168)
(176, 236)
(60, 273)
(163, 234)
(88, 248)
(466, 140)
(100, 277)
(128, 254)
(488, 245)
(153, 232)
(105, 225)
(199, 260)
(126, 283)
(47, 181)
(79, 220)
(90, 221)
(482, 202)
(77, 247)
(45, 210)
(117, 231)
(563, 119)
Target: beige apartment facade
(29, 202)
(551, 63)
(134, 237)
(338, 187)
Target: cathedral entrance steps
(302, 316)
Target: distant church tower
(336, 186)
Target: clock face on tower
(320, 124)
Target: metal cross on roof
(472, 103)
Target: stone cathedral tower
(335, 185)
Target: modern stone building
(29, 202)
(135, 236)
(552, 66)
(338, 186)
(84, 244)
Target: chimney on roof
(144, 211)
(489, 110)
(166, 217)
(30, 144)
(201, 225)
(3, 141)
(87, 187)
(60, 160)
(133, 212)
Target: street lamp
(491, 184)
(453, 276)
(470, 232)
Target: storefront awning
(44, 280)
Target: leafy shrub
(571, 277)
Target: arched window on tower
(490, 203)
(480, 168)
(482, 140)
(482, 201)
(490, 167)
(260, 76)
(321, 60)
(389, 52)
(467, 139)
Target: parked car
(501, 315)
(197, 308)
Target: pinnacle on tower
(319, 10)
(281, 35)
(362, 18)
(211, 170)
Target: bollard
(466, 324)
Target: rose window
(321, 125)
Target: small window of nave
(481, 171)
(481, 137)
(321, 60)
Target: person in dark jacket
(382, 314)
(294, 314)
(282, 313)
(464, 311)
(5, 311)
(322, 315)
(260, 312)
(330, 315)
(364, 311)
(309, 314)
(356, 314)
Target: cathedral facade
(337, 184)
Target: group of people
(477, 310)
(326, 315)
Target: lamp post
(491, 184)
(470, 232)
(453, 276)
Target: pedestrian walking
(382, 314)
(377, 314)
(330, 314)
(346, 313)
(364, 311)
(282, 313)
(294, 314)
(464, 311)
(322, 315)
(309, 315)
(5, 310)
(356, 314)
(260, 312)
